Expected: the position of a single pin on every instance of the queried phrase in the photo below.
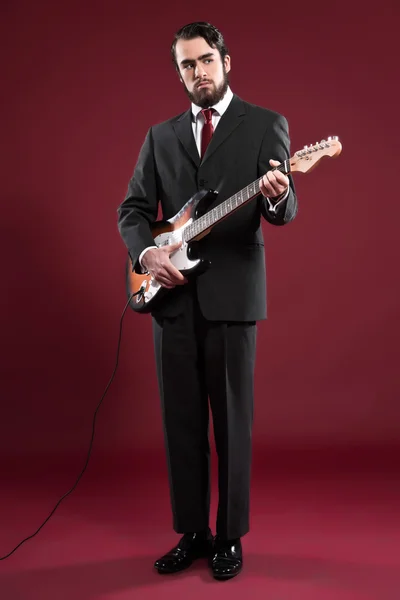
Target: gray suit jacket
(169, 170)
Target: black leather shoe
(189, 547)
(227, 558)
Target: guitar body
(186, 259)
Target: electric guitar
(193, 222)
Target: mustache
(202, 81)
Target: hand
(274, 183)
(158, 264)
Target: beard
(206, 97)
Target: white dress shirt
(197, 125)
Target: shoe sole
(225, 577)
(168, 572)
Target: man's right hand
(158, 264)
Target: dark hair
(202, 29)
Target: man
(205, 328)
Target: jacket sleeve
(276, 146)
(138, 211)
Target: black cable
(93, 431)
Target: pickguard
(179, 258)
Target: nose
(200, 71)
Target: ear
(227, 63)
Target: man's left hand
(274, 183)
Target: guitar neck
(302, 161)
(223, 210)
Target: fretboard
(224, 209)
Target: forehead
(192, 49)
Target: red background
(82, 82)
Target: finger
(164, 282)
(263, 186)
(172, 247)
(166, 276)
(278, 181)
(172, 272)
(266, 191)
(271, 184)
(281, 178)
(168, 286)
(162, 273)
(176, 275)
(165, 266)
(272, 190)
(274, 163)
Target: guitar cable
(140, 291)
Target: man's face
(202, 71)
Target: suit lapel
(231, 119)
(184, 131)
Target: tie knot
(207, 114)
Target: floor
(322, 534)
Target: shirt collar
(220, 107)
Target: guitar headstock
(306, 159)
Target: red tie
(207, 130)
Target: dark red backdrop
(82, 82)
